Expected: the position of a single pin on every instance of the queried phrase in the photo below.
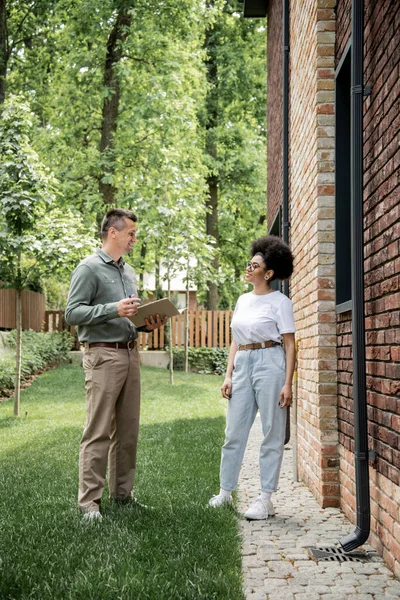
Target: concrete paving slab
(276, 561)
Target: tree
(113, 84)
(22, 24)
(35, 237)
(174, 225)
(234, 121)
(115, 49)
(211, 124)
(3, 50)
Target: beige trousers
(112, 381)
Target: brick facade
(274, 117)
(319, 33)
(382, 266)
(311, 143)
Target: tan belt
(258, 345)
(115, 345)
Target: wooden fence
(206, 328)
(33, 309)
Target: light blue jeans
(257, 380)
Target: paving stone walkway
(276, 562)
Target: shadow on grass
(177, 549)
(8, 422)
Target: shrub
(7, 372)
(202, 360)
(38, 351)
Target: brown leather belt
(258, 345)
(115, 345)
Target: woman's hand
(226, 388)
(285, 398)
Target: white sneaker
(92, 516)
(260, 510)
(220, 500)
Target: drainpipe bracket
(361, 455)
(357, 89)
(367, 90)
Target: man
(102, 297)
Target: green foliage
(56, 291)
(234, 119)
(40, 350)
(159, 160)
(202, 360)
(7, 372)
(26, 188)
(36, 236)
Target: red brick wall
(311, 168)
(382, 267)
(274, 109)
(319, 33)
(343, 26)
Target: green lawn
(177, 549)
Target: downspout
(295, 396)
(285, 129)
(285, 153)
(361, 533)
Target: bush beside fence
(202, 360)
(39, 351)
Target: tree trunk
(158, 291)
(171, 354)
(143, 251)
(211, 149)
(3, 50)
(187, 321)
(115, 44)
(18, 358)
(212, 230)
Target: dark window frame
(276, 229)
(343, 183)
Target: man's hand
(155, 322)
(128, 307)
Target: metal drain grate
(338, 555)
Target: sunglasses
(250, 266)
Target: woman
(259, 376)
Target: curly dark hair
(276, 255)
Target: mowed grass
(178, 548)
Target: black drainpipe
(285, 151)
(361, 533)
(285, 129)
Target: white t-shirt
(258, 318)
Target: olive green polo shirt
(97, 284)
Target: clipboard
(163, 307)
